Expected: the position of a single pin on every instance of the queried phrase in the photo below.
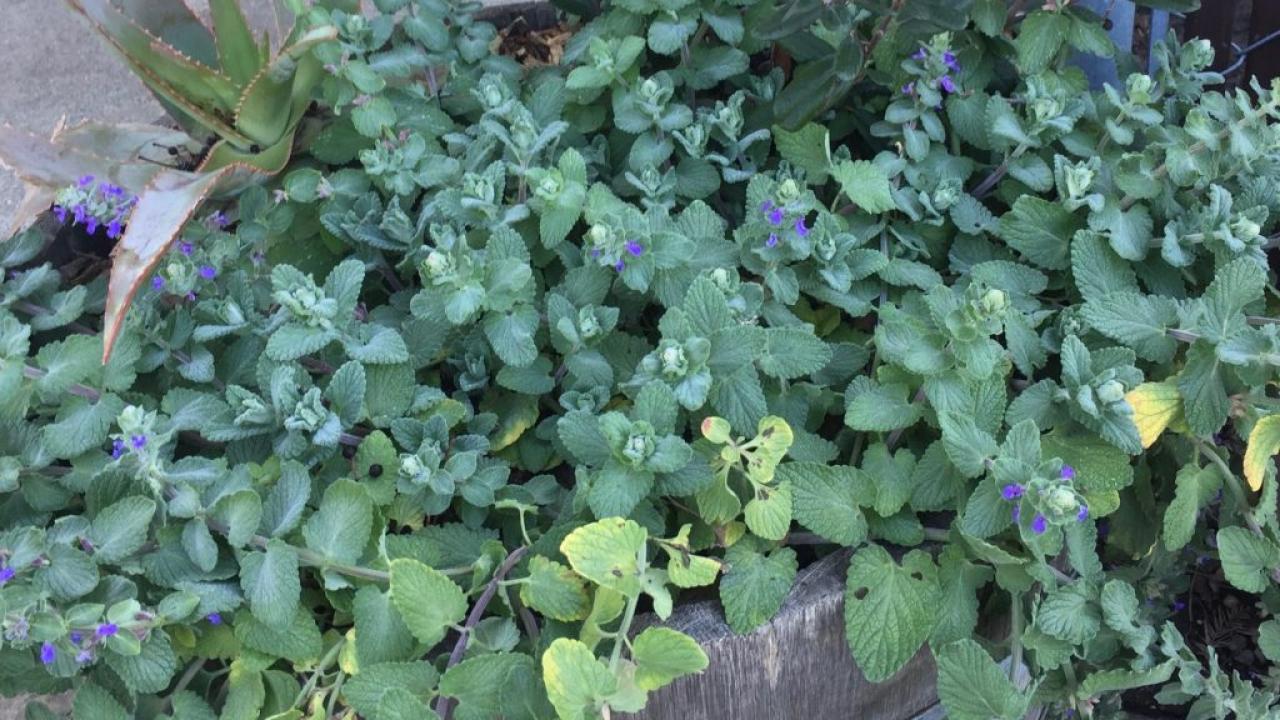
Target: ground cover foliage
(419, 373)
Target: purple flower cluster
(6, 574)
(945, 81)
(95, 205)
(776, 216)
(119, 448)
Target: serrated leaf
(1248, 560)
(972, 687)
(1040, 230)
(554, 590)
(121, 528)
(428, 601)
(1155, 406)
(755, 585)
(1264, 442)
(606, 552)
(865, 184)
(340, 529)
(270, 583)
(808, 148)
(889, 609)
(878, 408)
(791, 353)
(662, 655)
(825, 500)
(576, 680)
(1040, 37)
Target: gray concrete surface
(52, 64)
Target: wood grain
(796, 666)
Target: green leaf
(270, 583)
(825, 500)
(755, 585)
(340, 529)
(768, 512)
(972, 687)
(364, 690)
(1099, 466)
(808, 148)
(511, 335)
(1139, 321)
(576, 680)
(889, 609)
(878, 408)
(662, 655)
(151, 669)
(288, 497)
(94, 703)
(1195, 488)
(297, 640)
(607, 553)
(866, 184)
(80, 426)
(791, 353)
(1264, 442)
(121, 528)
(400, 704)
(381, 634)
(553, 590)
(1040, 37)
(1269, 639)
(428, 601)
(969, 447)
(1248, 560)
(1040, 230)
(1204, 396)
(240, 512)
(1068, 614)
(1121, 613)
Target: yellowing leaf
(1155, 405)
(1264, 441)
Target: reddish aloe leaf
(162, 210)
(126, 141)
(48, 165)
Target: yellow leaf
(1264, 441)
(1155, 405)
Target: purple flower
(91, 226)
(620, 265)
(595, 252)
(111, 191)
(60, 213)
(219, 220)
(775, 216)
(107, 630)
(948, 84)
(138, 441)
(48, 653)
(772, 241)
(80, 212)
(214, 618)
(949, 59)
(1015, 512)
(766, 206)
(635, 248)
(191, 296)
(84, 657)
(1083, 513)
(909, 89)
(920, 54)
(6, 574)
(76, 637)
(1179, 606)
(1012, 491)
(208, 272)
(185, 248)
(157, 282)
(85, 181)
(1039, 525)
(801, 230)
(117, 448)
(258, 257)
(1068, 472)
(113, 229)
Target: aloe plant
(238, 106)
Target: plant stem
(185, 680)
(444, 705)
(1015, 636)
(628, 615)
(985, 187)
(1232, 482)
(84, 391)
(321, 666)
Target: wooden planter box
(797, 665)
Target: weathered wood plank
(796, 666)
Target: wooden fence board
(796, 666)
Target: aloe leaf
(270, 103)
(161, 212)
(192, 82)
(198, 120)
(237, 49)
(176, 23)
(126, 141)
(269, 161)
(46, 165)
